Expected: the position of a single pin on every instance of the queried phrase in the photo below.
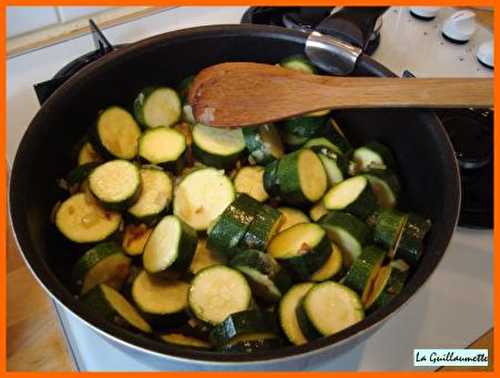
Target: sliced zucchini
(331, 267)
(155, 198)
(336, 165)
(163, 146)
(105, 263)
(111, 305)
(204, 257)
(239, 324)
(299, 63)
(335, 136)
(184, 87)
(87, 155)
(317, 211)
(288, 312)
(388, 283)
(135, 238)
(291, 217)
(386, 187)
(116, 184)
(263, 144)
(170, 246)
(302, 128)
(353, 195)
(329, 308)
(250, 180)
(270, 179)
(302, 249)
(348, 232)
(251, 343)
(217, 292)
(389, 225)
(82, 220)
(201, 196)
(322, 142)
(364, 270)
(302, 178)
(227, 231)
(217, 147)
(400, 264)
(184, 340)
(265, 276)
(411, 243)
(373, 155)
(157, 106)
(116, 134)
(265, 225)
(163, 301)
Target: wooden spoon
(247, 94)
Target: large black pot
(424, 154)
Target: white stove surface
(450, 311)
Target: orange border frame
(3, 180)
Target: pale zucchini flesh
(135, 238)
(82, 220)
(288, 312)
(291, 217)
(162, 145)
(250, 180)
(218, 141)
(331, 267)
(288, 242)
(88, 154)
(312, 176)
(158, 107)
(204, 257)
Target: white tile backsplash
(72, 13)
(21, 20)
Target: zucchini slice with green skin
(302, 249)
(82, 220)
(79, 174)
(155, 197)
(217, 147)
(164, 146)
(157, 106)
(185, 340)
(201, 196)
(348, 232)
(105, 263)
(322, 142)
(331, 267)
(227, 231)
(87, 154)
(317, 211)
(353, 195)
(336, 165)
(299, 63)
(217, 292)
(386, 187)
(250, 180)
(113, 306)
(288, 312)
(162, 301)
(204, 257)
(263, 144)
(364, 270)
(411, 243)
(265, 276)
(135, 238)
(270, 179)
(373, 155)
(389, 225)
(302, 128)
(302, 178)
(333, 133)
(291, 217)
(265, 225)
(170, 246)
(388, 283)
(329, 308)
(239, 324)
(116, 134)
(116, 184)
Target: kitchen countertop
(34, 334)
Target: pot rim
(61, 295)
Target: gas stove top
(431, 319)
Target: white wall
(21, 20)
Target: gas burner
(45, 89)
(359, 26)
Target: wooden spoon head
(234, 94)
